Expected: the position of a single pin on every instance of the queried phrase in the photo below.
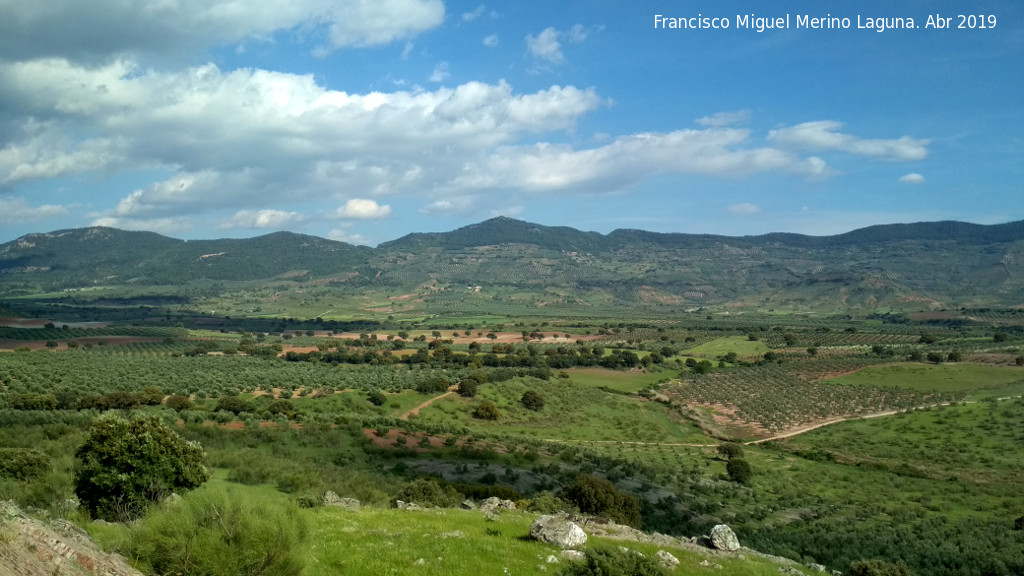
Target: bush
(739, 471)
(179, 403)
(730, 450)
(429, 492)
(32, 402)
(599, 497)
(613, 562)
(219, 532)
(281, 407)
(233, 404)
(547, 503)
(376, 397)
(532, 401)
(129, 464)
(23, 463)
(486, 410)
(878, 568)
(433, 385)
(468, 387)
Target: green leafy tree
(739, 471)
(126, 465)
(600, 497)
(487, 410)
(878, 568)
(376, 397)
(730, 450)
(532, 401)
(234, 404)
(179, 403)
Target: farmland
(515, 372)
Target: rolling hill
(902, 266)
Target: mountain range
(929, 264)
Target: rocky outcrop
(723, 538)
(666, 559)
(559, 531)
(30, 547)
(494, 505)
(332, 499)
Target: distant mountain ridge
(944, 263)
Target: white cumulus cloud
(545, 46)
(824, 135)
(363, 209)
(18, 210)
(912, 178)
(98, 29)
(276, 219)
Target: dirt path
(415, 411)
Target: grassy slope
(979, 379)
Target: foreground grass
(377, 541)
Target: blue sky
(363, 121)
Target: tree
(468, 386)
(126, 465)
(179, 403)
(235, 405)
(532, 401)
(730, 450)
(376, 397)
(935, 357)
(739, 471)
(487, 410)
(600, 497)
(878, 568)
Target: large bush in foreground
(127, 465)
(217, 531)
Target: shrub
(433, 385)
(32, 402)
(739, 471)
(730, 450)
(233, 404)
(532, 401)
(151, 396)
(219, 532)
(878, 568)
(599, 497)
(429, 492)
(23, 463)
(376, 397)
(486, 410)
(613, 562)
(547, 503)
(468, 387)
(179, 403)
(281, 407)
(129, 464)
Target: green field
(741, 345)
(629, 382)
(977, 379)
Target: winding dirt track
(415, 411)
